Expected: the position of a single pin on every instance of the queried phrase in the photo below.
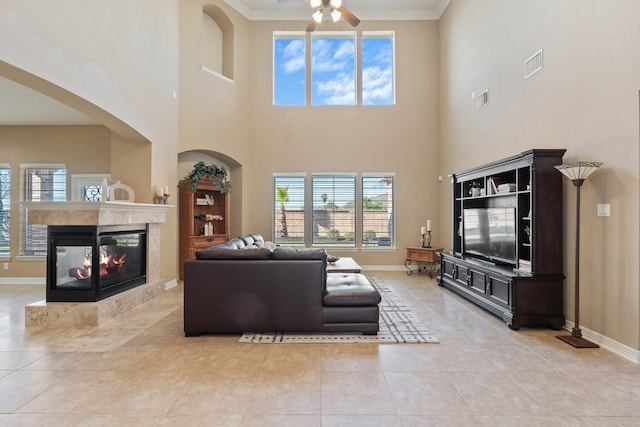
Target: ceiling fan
(334, 7)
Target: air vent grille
(533, 64)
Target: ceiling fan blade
(348, 16)
(311, 26)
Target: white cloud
(377, 85)
(337, 91)
(293, 56)
(328, 55)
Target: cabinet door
(477, 280)
(500, 290)
(448, 268)
(462, 275)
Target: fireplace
(87, 263)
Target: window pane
(333, 70)
(377, 70)
(378, 218)
(288, 210)
(5, 209)
(334, 210)
(289, 71)
(40, 184)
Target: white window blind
(334, 210)
(378, 216)
(39, 183)
(289, 210)
(5, 209)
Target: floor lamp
(577, 173)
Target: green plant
(282, 195)
(369, 235)
(333, 235)
(349, 236)
(210, 172)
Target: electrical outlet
(6, 266)
(604, 210)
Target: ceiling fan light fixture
(315, 3)
(317, 16)
(336, 14)
(336, 3)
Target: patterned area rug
(397, 325)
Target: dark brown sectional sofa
(242, 286)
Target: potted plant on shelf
(209, 172)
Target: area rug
(397, 325)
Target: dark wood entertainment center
(507, 258)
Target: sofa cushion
(349, 289)
(218, 253)
(299, 253)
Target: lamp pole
(577, 172)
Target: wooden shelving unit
(193, 233)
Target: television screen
(491, 233)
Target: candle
(166, 190)
(423, 230)
(428, 225)
(159, 191)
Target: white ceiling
(363, 9)
(20, 106)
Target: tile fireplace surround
(80, 314)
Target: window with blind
(5, 209)
(289, 212)
(334, 210)
(39, 183)
(378, 217)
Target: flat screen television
(490, 233)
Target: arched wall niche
(217, 41)
(187, 159)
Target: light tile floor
(140, 370)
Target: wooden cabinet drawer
(201, 242)
(423, 254)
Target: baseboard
(23, 280)
(170, 284)
(613, 346)
(383, 267)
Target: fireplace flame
(109, 264)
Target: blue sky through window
(333, 69)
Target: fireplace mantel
(95, 213)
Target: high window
(289, 69)
(289, 208)
(333, 66)
(39, 183)
(341, 68)
(5, 209)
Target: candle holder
(161, 200)
(426, 240)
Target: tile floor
(140, 370)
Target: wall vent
(482, 99)
(533, 64)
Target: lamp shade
(336, 3)
(578, 170)
(336, 14)
(315, 3)
(317, 16)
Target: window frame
(5, 213)
(28, 249)
(278, 240)
(391, 211)
(346, 35)
(317, 243)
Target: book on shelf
(506, 188)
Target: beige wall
(114, 61)
(82, 149)
(214, 113)
(585, 99)
(401, 138)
